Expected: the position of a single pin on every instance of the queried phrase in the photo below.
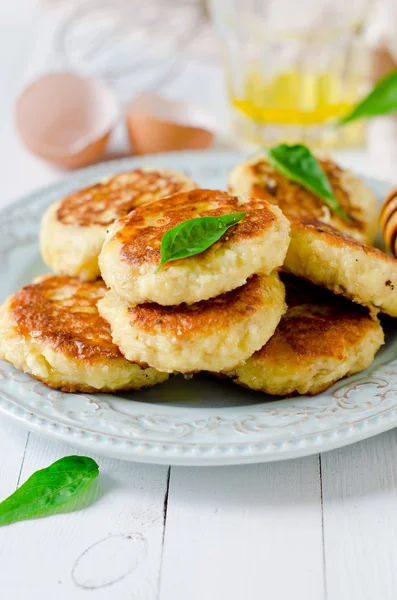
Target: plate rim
(153, 453)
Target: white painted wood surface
(244, 532)
(117, 542)
(312, 529)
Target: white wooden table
(318, 528)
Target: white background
(323, 527)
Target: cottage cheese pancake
(52, 330)
(256, 177)
(320, 339)
(324, 248)
(131, 252)
(210, 335)
(73, 230)
(328, 258)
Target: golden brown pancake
(52, 330)
(62, 313)
(320, 339)
(324, 248)
(141, 234)
(209, 335)
(131, 252)
(74, 229)
(256, 177)
(326, 257)
(104, 202)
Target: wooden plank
(360, 520)
(12, 449)
(244, 532)
(111, 548)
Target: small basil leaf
(380, 101)
(49, 488)
(298, 164)
(194, 236)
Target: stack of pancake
(285, 302)
(207, 312)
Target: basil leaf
(194, 236)
(49, 488)
(298, 164)
(381, 100)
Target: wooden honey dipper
(388, 221)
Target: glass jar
(292, 68)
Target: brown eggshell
(66, 119)
(156, 124)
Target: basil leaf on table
(380, 101)
(47, 489)
(298, 164)
(194, 236)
